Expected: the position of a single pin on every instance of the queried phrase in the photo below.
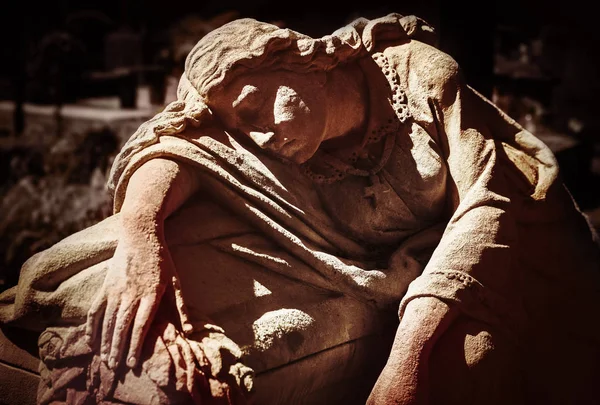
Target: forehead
(267, 82)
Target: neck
(347, 99)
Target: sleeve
(499, 176)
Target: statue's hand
(124, 308)
(220, 359)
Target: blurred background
(78, 77)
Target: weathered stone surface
(19, 366)
(271, 223)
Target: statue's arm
(156, 190)
(480, 231)
(141, 267)
(404, 379)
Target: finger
(141, 325)
(189, 361)
(178, 361)
(231, 347)
(186, 325)
(123, 323)
(108, 326)
(94, 317)
(212, 350)
(244, 376)
(199, 354)
(220, 351)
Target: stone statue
(272, 224)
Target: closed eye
(248, 102)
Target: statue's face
(283, 112)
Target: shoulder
(425, 68)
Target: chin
(302, 155)
(299, 158)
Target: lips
(287, 148)
(287, 143)
(274, 143)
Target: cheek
(300, 124)
(289, 106)
(303, 131)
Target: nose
(262, 139)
